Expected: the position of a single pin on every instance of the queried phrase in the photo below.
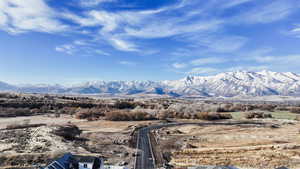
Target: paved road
(145, 159)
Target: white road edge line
(137, 148)
(151, 150)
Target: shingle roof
(87, 159)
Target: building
(114, 167)
(70, 161)
(88, 162)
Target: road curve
(144, 158)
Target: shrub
(213, 116)
(295, 110)
(266, 107)
(69, 131)
(90, 114)
(251, 115)
(23, 126)
(125, 115)
(14, 112)
(124, 105)
(282, 108)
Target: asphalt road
(144, 157)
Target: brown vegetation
(213, 116)
(69, 131)
(23, 126)
(251, 115)
(295, 110)
(90, 114)
(125, 115)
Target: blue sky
(69, 41)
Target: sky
(72, 41)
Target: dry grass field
(32, 146)
(34, 129)
(242, 146)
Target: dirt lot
(243, 146)
(38, 146)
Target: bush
(266, 107)
(213, 116)
(69, 131)
(23, 126)
(251, 115)
(295, 110)
(90, 114)
(124, 105)
(226, 108)
(14, 112)
(282, 108)
(125, 115)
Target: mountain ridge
(228, 84)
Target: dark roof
(61, 163)
(87, 159)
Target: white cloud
(295, 32)
(92, 3)
(203, 71)
(171, 28)
(232, 3)
(216, 43)
(264, 59)
(80, 42)
(3, 19)
(210, 60)
(100, 52)
(224, 44)
(130, 25)
(67, 48)
(274, 11)
(82, 47)
(123, 45)
(248, 68)
(128, 63)
(179, 65)
(19, 16)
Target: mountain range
(229, 84)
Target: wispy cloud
(170, 28)
(179, 65)
(67, 48)
(234, 3)
(80, 46)
(294, 32)
(206, 61)
(248, 68)
(18, 16)
(92, 3)
(274, 11)
(127, 63)
(203, 71)
(200, 27)
(219, 43)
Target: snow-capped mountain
(240, 83)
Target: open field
(35, 129)
(276, 115)
(109, 139)
(242, 146)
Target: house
(70, 161)
(88, 162)
(114, 167)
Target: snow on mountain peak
(238, 83)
